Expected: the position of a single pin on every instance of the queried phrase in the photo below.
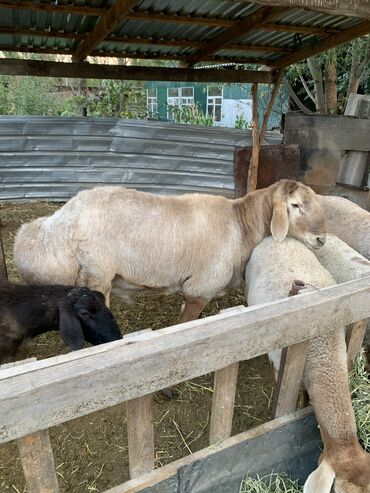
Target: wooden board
(140, 433)
(275, 162)
(42, 394)
(288, 444)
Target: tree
(323, 83)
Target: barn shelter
(201, 37)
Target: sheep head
(297, 212)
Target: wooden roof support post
(267, 114)
(253, 166)
(259, 135)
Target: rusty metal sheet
(275, 162)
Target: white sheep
(195, 244)
(348, 221)
(269, 276)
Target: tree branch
(295, 98)
(307, 89)
(317, 79)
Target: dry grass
(272, 483)
(360, 394)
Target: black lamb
(78, 313)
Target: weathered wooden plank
(36, 454)
(38, 465)
(43, 394)
(39, 68)
(140, 432)
(224, 387)
(356, 334)
(289, 379)
(288, 443)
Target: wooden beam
(105, 25)
(134, 56)
(227, 37)
(49, 392)
(40, 68)
(183, 43)
(360, 29)
(53, 7)
(290, 28)
(348, 8)
(180, 19)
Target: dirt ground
(91, 452)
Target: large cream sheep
(195, 244)
(269, 275)
(348, 221)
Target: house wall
(232, 95)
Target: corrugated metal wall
(52, 158)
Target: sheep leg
(192, 308)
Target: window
(178, 97)
(214, 103)
(152, 102)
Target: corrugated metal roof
(38, 29)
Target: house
(226, 105)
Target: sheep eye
(295, 205)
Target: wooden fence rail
(40, 394)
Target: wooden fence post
(140, 433)
(355, 336)
(37, 456)
(289, 379)
(224, 387)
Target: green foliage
(190, 114)
(271, 483)
(241, 122)
(26, 96)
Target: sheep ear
(70, 329)
(280, 221)
(320, 480)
